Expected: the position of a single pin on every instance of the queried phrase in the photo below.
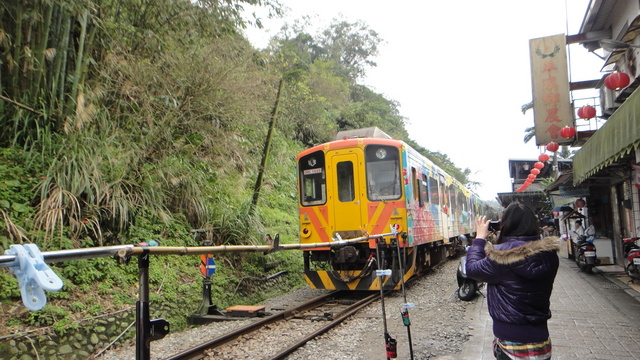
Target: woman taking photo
(519, 271)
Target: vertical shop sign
(550, 85)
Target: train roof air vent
(370, 132)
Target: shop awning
(535, 199)
(572, 215)
(618, 137)
(632, 32)
(561, 180)
(563, 208)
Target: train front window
(383, 173)
(313, 189)
(346, 188)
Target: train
(366, 183)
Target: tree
(128, 101)
(352, 45)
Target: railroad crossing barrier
(34, 276)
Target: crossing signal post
(207, 269)
(207, 265)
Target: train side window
(424, 190)
(313, 190)
(452, 196)
(434, 193)
(444, 195)
(416, 185)
(346, 187)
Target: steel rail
(198, 351)
(147, 330)
(333, 323)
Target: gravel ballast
(439, 326)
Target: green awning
(617, 137)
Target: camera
(494, 226)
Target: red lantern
(538, 165)
(580, 203)
(543, 157)
(531, 176)
(553, 146)
(586, 112)
(616, 80)
(567, 132)
(535, 171)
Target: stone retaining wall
(91, 337)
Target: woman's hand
(482, 227)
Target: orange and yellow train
(366, 183)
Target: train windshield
(313, 190)
(383, 173)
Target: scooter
(586, 254)
(632, 253)
(467, 287)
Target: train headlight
(381, 153)
(305, 233)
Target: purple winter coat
(519, 274)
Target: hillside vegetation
(123, 121)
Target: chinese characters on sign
(550, 82)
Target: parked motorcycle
(586, 257)
(468, 288)
(632, 253)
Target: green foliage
(352, 45)
(19, 173)
(174, 233)
(77, 306)
(442, 161)
(95, 309)
(86, 271)
(370, 109)
(9, 286)
(64, 325)
(145, 125)
(50, 316)
(313, 102)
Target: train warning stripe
(381, 215)
(318, 221)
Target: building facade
(605, 164)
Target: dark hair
(518, 220)
(579, 221)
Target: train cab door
(345, 194)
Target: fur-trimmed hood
(522, 250)
(519, 272)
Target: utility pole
(265, 153)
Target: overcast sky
(459, 69)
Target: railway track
(300, 324)
(294, 326)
